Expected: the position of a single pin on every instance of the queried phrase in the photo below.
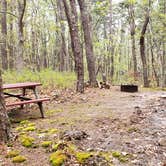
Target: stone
(162, 141)
(74, 135)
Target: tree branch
(9, 13)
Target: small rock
(162, 142)
(74, 135)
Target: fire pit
(129, 88)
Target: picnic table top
(20, 85)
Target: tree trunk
(154, 70)
(63, 50)
(75, 42)
(132, 33)
(4, 35)
(164, 66)
(164, 53)
(142, 51)
(20, 53)
(4, 119)
(11, 39)
(85, 17)
(111, 41)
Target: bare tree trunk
(4, 35)
(5, 132)
(11, 39)
(132, 32)
(63, 52)
(164, 54)
(20, 53)
(85, 17)
(44, 47)
(153, 59)
(142, 51)
(75, 42)
(111, 41)
(164, 66)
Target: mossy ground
(102, 114)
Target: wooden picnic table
(22, 97)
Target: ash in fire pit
(129, 88)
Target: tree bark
(75, 42)
(142, 51)
(154, 70)
(11, 44)
(132, 33)
(64, 57)
(163, 66)
(4, 35)
(111, 40)
(85, 17)
(20, 53)
(4, 119)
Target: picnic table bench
(22, 97)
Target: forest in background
(125, 40)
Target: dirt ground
(132, 124)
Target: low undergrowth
(48, 78)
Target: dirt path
(132, 124)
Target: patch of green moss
(23, 122)
(12, 153)
(18, 159)
(120, 156)
(40, 131)
(27, 141)
(46, 144)
(30, 128)
(59, 146)
(65, 147)
(30, 124)
(52, 131)
(19, 128)
(116, 154)
(83, 156)
(107, 156)
(58, 158)
(123, 159)
(22, 133)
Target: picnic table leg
(41, 109)
(35, 92)
(23, 94)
